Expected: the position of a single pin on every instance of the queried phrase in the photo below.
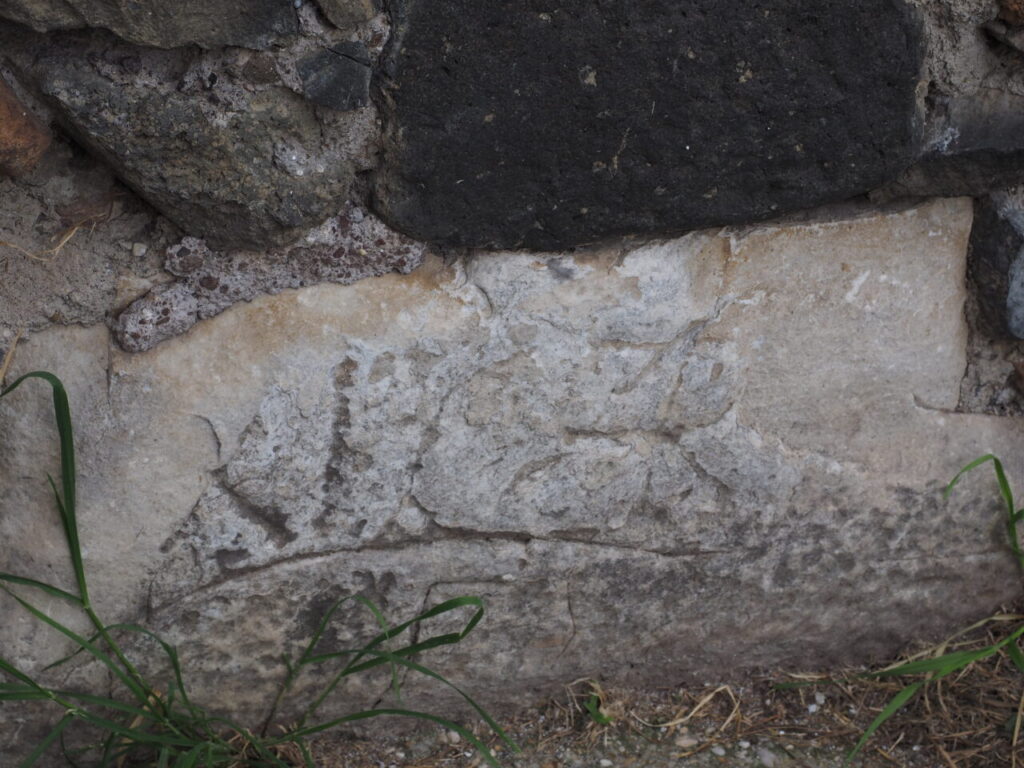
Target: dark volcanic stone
(995, 246)
(547, 124)
(337, 77)
(977, 146)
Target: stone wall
(659, 326)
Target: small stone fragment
(346, 13)
(23, 139)
(240, 168)
(1012, 11)
(337, 77)
(995, 268)
(1013, 36)
(344, 249)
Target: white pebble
(719, 750)
(812, 708)
(820, 698)
(606, 763)
(139, 250)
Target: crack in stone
(273, 521)
(450, 534)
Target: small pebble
(820, 698)
(139, 250)
(812, 708)
(719, 750)
(744, 745)
(606, 763)
(453, 737)
(686, 742)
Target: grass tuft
(159, 726)
(943, 662)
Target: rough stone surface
(976, 145)
(994, 380)
(1004, 33)
(972, 87)
(680, 458)
(207, 23)
(240, 164)
(337, 77)
(345, 13)
(23, 139)
(346, 248)
(997, 244)
(1012, 11)
(71, 201)
(639, 117)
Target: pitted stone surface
(558, 124)
(651, 461)
(345, 248)
(207, 23)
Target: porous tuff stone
(239, 164)
(344, 249)
(553, 125)
(677, 459)
(207, 23)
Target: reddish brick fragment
(1012, 11)
(23, 139)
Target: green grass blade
(17, 674)
(1016, 656)
(437, 610)
(62, 413)
(973, 465)
(386, 657)
(189, 759)
(891, 708)
(45, 744)
(172, 655)
(99, 655)
(1004, 486)
(15, 692)
(108, 703)
(47, 588)
(939, 666)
